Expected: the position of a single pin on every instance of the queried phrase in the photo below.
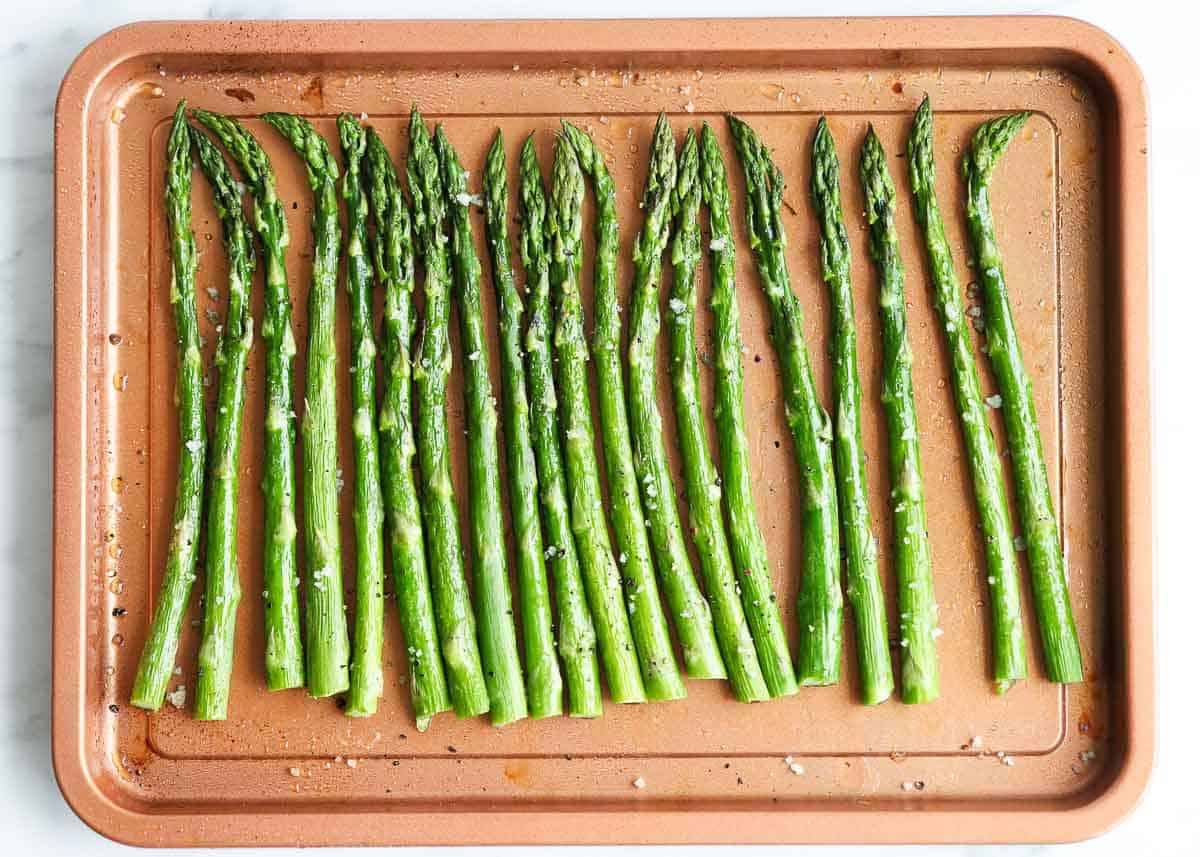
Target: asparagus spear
(700, 477)
(542, 675)
(1051, 599)
(493, 598)
(281, 606)
(223, 589)
(393, 257)
(914, 574)
(1008, 638)
(746, 544)
(819, 605)
(702, 658)
(327, 644)
(451, 601)
(862, 565)
(158, 652)
(576, 635)
(601, 578)
(366, 657)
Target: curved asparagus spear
(222, 586)
(702, 658)
(157, 663)
(700, 477)
(819, 605)
(366, 656)
(327, 644)
(451, 601)
(863, 586)
(1008, 636)
(281, 606)
(576, 635)
(914, 574)
(493, 598)
(542, 675)
(1051, 599)
(601, 578)
(746, 543)
(393, 257)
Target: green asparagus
(746, 544)
(863, 586)
(327, 644)
(451, 600)
(223, 589)
(157, 663)
(542, 675)
(819, 604)
(1051, 599)
(601, 578)
(493, 599)
(576, 635)
(394, 270)
(914, 574)
(702, 485)
(1008, 636)
(366, 656)
(281, 606)
(702, 658)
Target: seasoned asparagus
(601, 578)
(542, 676)
(1008, 636)
(702, 485)
(493, 598)
(702, 658)
(222, 586)
(819, 604)
(1051, 598)
(281, 606)
(327, 644)
(746, 544)
(576, 635)
(452, 604)
(863, 586)
(394, 270)
(366, 655)
(158, 652)
(914, 574)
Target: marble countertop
(39, 40)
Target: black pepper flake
(114, 708)
(119, 611)
(451, 748)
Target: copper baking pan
(285, 769)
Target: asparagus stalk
(366, 656)
(702, 485)
(451, 601)
(1008, 637)
(914, 573)
(746, 544)
(394, 270)
(862, 563)
(493, 598)
(1051, 599)
(223, 589)
(158, 652)
(542, 675)
(702, 658)
(576, 635)
(601, 579)
(819, 605)
(327, 644)
(281, 606)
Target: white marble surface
(38, 41)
